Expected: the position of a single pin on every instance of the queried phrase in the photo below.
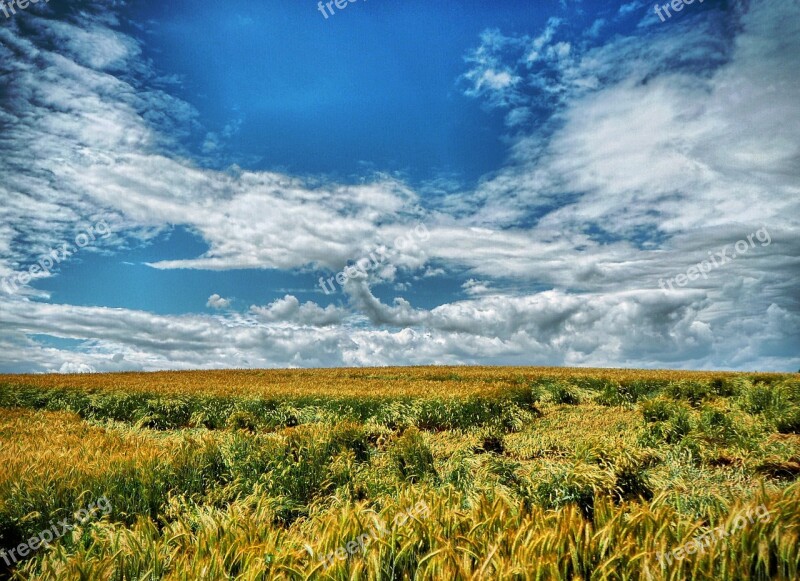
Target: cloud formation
(654, 148)
(217, 302)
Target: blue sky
(552, 183)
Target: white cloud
(217, 302)
(70, 367)
(488, 77)
(475, 287)
(647, 328)
(665, 148)
(542, 40)
(629, 7)
(289, 310)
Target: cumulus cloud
(289, 310)
(217, 302)
(70, 367)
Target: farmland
(402, 473)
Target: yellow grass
(422, 382)
(580, 490)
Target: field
(400, 473)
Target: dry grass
(585, 474)
(394, 382)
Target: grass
(526, 473)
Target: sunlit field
(401, 473)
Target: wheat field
(402, 473)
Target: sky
(273, 184)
